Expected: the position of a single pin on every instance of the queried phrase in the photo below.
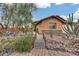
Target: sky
(1, 13)
(48, 9)
(63, 10)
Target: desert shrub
(6, 46)
(23, 43)
(20, 44)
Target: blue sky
(48, 9)
(55, 9)
(1, 13)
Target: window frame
(52, 25)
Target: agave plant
(71, 27)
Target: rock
(68, 43)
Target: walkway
(42, 52)
(39, 42)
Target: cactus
(71, 27)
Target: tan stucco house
(49, 23)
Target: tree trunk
(2, 26)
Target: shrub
(6, 46)
(23, 43)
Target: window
(52, 25)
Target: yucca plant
(71, 27)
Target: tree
(18, 15)
(7, 11)
(23, 14)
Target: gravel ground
(42, 52)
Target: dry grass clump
(19, 44)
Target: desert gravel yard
(54, 47)
(42, 52)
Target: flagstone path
(39, 42)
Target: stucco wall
(44, 25)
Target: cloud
(35, 19)
(59, 3)
(64, 17)
(76, 14)
(43, 5)
(39, 1)
(46, 5)
(64, 3)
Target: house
(49, 23)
